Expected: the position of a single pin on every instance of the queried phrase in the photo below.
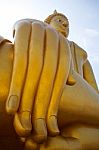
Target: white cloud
(91, 32)
(90, 42)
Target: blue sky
(83, 16)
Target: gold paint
(48, 84)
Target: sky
(83, 16)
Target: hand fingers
(31, 145)
(45, 85)
(36, 51)
(20, 64)
(60, 81)
(18, 126)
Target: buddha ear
(55, 11)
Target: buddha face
(60, 23)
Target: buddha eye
(59, 20)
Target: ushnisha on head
(59, 22)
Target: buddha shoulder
(80, 52)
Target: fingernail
(12, 104)
(52, 126)
(25, 118)
(40, 130)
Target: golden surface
(48, 86)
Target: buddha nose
(64, 24)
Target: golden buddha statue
(49, 86)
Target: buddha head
(59, 22)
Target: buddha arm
(6, 64)
(89, 75)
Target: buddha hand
(40, 70)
